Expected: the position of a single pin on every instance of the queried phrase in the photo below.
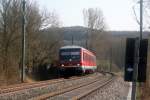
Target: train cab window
(70, 55)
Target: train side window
(89, 58)
(86, 57)
(83, 56)
(93, 59)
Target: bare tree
(145, 12)
(10, 32)
(94, 21)
(97, 38)
(36, 38)
(10, 35)
(93, 18)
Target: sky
(118, 14)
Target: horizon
(104, 30)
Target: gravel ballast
(29, 93)
(118, 90)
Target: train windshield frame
(70, 54)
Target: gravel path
(118, 90)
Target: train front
(70, 61)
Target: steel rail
(71, 88)
(18, 87)
(83, 95)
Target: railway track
(12, 90)
(22, 86)
(77, 92)
(107, 82)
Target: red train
(76, 59)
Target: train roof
(77, 47)
(71, 46)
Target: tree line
(38, 49)
(44, 37)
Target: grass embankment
(139, 92)
(106, 65)
(29, 79)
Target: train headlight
(78, 64)
(62, 65)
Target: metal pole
(72, 40)
(110, 59)
(137, 53)
(86, 44)
(23, 40)
(141, 19)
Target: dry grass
(29, 79)
(145, 92)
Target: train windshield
(70, 55)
